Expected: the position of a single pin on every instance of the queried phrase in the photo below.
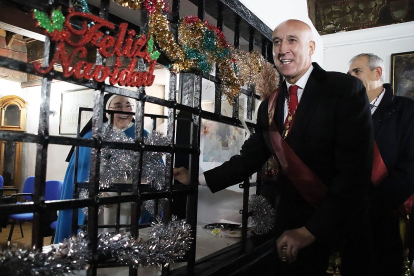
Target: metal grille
(227, 12)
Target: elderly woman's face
(121, 103)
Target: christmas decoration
(80, 5)
(166, 243)
(107, 45)
(68, 257)
(205, 45)
(262, 215)
(44, 22)
(150, 205)
(268, 81)
(117, 165)
(201, 47)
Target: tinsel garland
(80, 5)
(262, 214)
(249, 65)
(166, 243)
(149, 205)
(117, 165)
(201, 46)
(205, 45)
(268, 81)
(160, 29)
(70, 256)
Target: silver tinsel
(262, 215)
(149, 205)
(84, 193)
(166, 243)
(117, 165)
(67, 257)
(153, 168)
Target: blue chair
(52, 192)
(53, 227)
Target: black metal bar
(41, 156)
(190, 104)
(237, 31)
(194, 167)
(95, 155)
(264, 47)
(220, 16)
(245, 214)
(201, 9)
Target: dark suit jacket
(332, 134)
(394, 135)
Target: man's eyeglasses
(120, 107)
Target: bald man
(318, 125)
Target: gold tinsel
(132, 4)
(191, 35)
(249, 66)
(160, 29)
(268, 81)
(231, 87)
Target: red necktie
(293, 104)
(293, 96)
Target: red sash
(379, 172)
(304, 180)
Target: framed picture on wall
(72, 100)
(402, 74)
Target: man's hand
(291, 241)
(181, 174)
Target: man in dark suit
(393, 120)
(331, 133)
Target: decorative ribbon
(379, 172)
(304, 180)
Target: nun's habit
(64, 222)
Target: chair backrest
(28, 187)
(53, 189)
(1, 182)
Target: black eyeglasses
(120, 107)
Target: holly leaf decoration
(154, 54)
(50, 25)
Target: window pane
(12, 115)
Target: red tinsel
(220, 35)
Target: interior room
(192, 117)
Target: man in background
(393, 171)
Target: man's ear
(312, 47)
(378, 73)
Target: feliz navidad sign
(92, 31)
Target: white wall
(56, 165)
(276, 11)
(383, 41)
(56, 153)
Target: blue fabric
(64, 222)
